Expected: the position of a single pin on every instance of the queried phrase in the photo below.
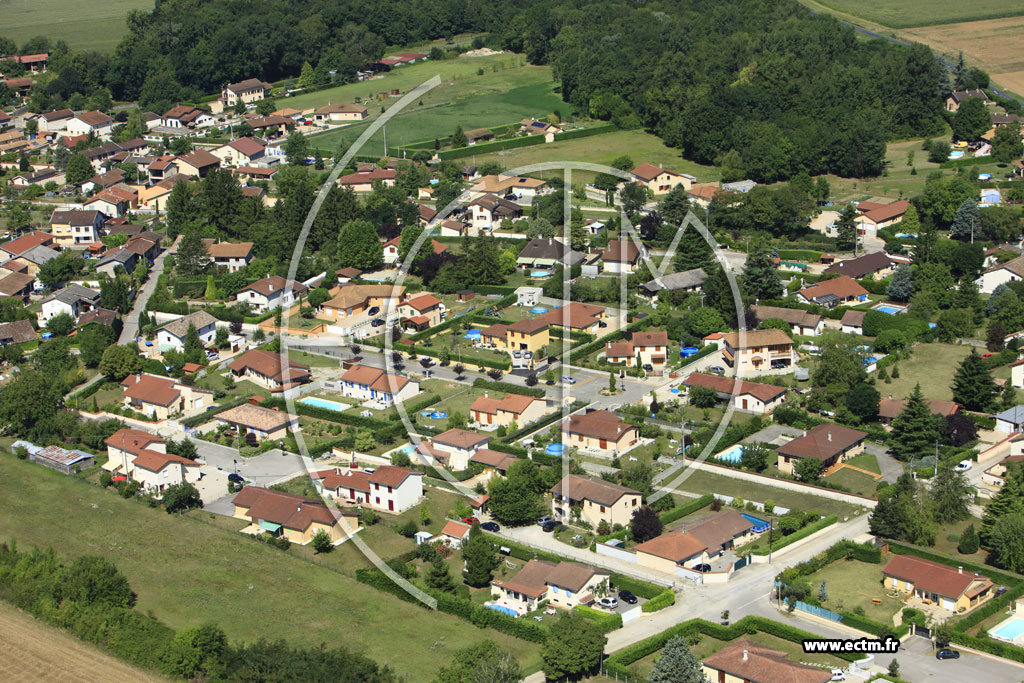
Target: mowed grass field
(82, 24)
(603, 149)
(924, 12)
(194, 569)
(931, 365)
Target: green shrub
(605, 621)
(783, 541)
(665, 598)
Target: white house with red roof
(454, 533)
(143, 457)
(391, 250)
(649, 349)
(373, 385)
(387, 488)
(875, 216)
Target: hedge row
(508, 387)
(470, 611)
(618, 663)
(526, 553)
(461, 475)
(488, 147)
(705, 350)
(604, 621)
(797, 535)
(502, 447)
(542, 458)
(800, 255)
(637, 587)
(586, 132)
(985, 570)
(203, 418)
(420, 405)
(666, 517)
(93, 388)
(502, 364)
(665, 598)
(966, 161)
(326, 414)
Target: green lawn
(603, 149)
(865, 461)
(851, 584)
(313, 360)
(948, 537)
(193, 569)
(856, 482)
(82, 24)
(702, 482)
(931, 365)
(924, 12)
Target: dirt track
(33, 651)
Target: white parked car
(963, 466)
(837, 675)
(608, 603)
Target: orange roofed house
(162, 397)
(649, 349)
(564, 585)
(598, 500)
(758, 351)
(828, 443)
(835, 292)
(351, 300)
(752, 397)
(376, 386)
(601, 432)
(745, 661)
(293, 517)
(659, 180)
(422, 312)
(874, 216)
(954, 590)
(262, 423)
(269, 369)
(501, 412)
(390, 488)
(143, 457)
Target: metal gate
(741, 562)
(922, 631)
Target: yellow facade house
(954, 590)
(564, 585)
(598, 500)
(294, 517)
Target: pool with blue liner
(323, 403)
(733, 455)
(472, 334)
(890, 310)
(759, 524)
(1008, 630)
(555, 449)
(539, 274)
(538, 310)
(505, 610)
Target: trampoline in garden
(538, 310)
(472, 334)
(555, 449)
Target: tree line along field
(82, 24)
(912, 13)
(195, 569)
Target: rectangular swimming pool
(1009, 630)
(731, 456)
(890, 310)
(324, 403)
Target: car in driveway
(548, 527)
(544, 520)
(567, 379)
(716, 370)
(946, 653)
(703, 568)
(377, 322)
(837, 675)
(608, 603)
(963, 466)
(470, 520)
(373, 310)
(490, 526)
(627, 597)
(236, 478)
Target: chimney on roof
(830, 437)
(270, 286)
(744, 655)
(959, 570)
(138, 378)
(254, 400)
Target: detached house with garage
(801, 322)
(76, 228)
(954, 590)
(455, 447)
(293, 517)
(501, 412)
(835, 292)
(241, 152)
(232, 256)
(387, 488)
(547, 253)
(751, 397)
(248, 91)
(269, 369)
(172, 335)
(564, 585)
(94, 122)
(143, 457)
(758, 351)
(262, 423)
(1001, 274)
(744, 661)
(376, 386)
(598, 500)
(488, 211)
(830, 444)
(73, 300)
(162, 397)
(601, 432)
(622, 256)
(659, 180)
(671, 550)
(270, 293)
(648, 349)
(422, 312)
(873, 216)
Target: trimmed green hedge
(783, 541)
(508, 387)
(586, 132)
(526, 553)
(488, 147)
(542, 423)
(799, 255)
(705, 350)
(666, 517)
(618, 663)
(604, 621)
(985, 570)
(637, 587)
(665, 598)
(502, 447)
(470, 611)
(416, 407)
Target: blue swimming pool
(538, 310)
(538, 274)
(555, 449)
(504, 610)
(323, 403)
(1009, 629)
(674, 390)
(759, 524)
(688, 351)
(733, 455)
(891, 310)
(991, 197)
(956, 155)
(472, 334)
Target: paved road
(131, 321)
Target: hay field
(82, 24)
(911, 13)
(996, 45)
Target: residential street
(131, 321)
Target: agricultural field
(82, 24)
(197, 568)
(603, 149)
(994, 45)
(923, 12)
(31, 651)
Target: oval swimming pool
(555, 449)
(538, 310)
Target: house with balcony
(600, 432)
(143, 457)
(563, 585)
(648, 349)
(454, 448)
(387, 488)
(758, 351)
(270, 293)
(597, 500)
(163, 397)
(269, 369)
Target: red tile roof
(724, 385)
(824, 442)
(931, 576)
(151, 389)
(598, 424)
(676, 546)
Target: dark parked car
(548, 527)
(490, 526)
(237, 478)
(702, 568)
(374, 310)
(377, 322)
(946, 653)
(626, 596)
